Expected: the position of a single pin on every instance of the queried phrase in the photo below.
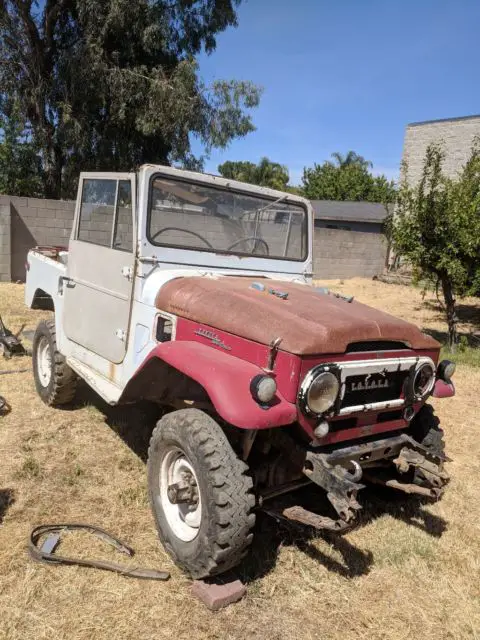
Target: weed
(30, 469)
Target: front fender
(224, 377)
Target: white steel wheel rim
(183, 519)
(44, 361)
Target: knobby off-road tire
(223, 529)
(55, 381)
(425, 429)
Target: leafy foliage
(19, 160)
(348, 178)
(351, 157)
(111, 84)
(436, 228)
(266, 173)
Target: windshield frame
(267, 198)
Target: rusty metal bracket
(428, 469)
(406, 487)
(408, 458)
(340, 485)
(341, 488)
(429, 476)
(301, 516)
(10, 343)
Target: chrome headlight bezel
(305, 388)
(428, 385)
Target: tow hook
(357, 471)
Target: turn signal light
(263, 388)
(446, 369)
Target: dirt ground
(410, 570)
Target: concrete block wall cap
(215, 595)
(19, 201)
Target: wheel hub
(44, 361)
(180, 497)
(185, 491)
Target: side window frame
(116, 216)
(130, 177)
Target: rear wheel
(55, 381)
(200, 493)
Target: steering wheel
(193, 233)
(257, 241)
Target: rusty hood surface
(308, 322)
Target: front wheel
(200, 493)
(425, 429)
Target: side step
(108, 390)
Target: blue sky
(347, 74)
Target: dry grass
(409, 571)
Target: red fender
(225, 378)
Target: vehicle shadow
(409, 509)
(132, 423)
(272, 535)
(7, 498)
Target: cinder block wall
(5, 249)
(456, 135)
(27, 222)
(341, 253)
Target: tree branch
(30, 26)
(52, 10)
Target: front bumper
(416, 470)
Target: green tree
(20, 170)
(436, 228)
(349, 178)
(351, 157)
(266, 173)
(111, 84)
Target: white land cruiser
(190, 290)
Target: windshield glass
(200, 217)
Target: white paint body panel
(97, 301)
(102, 300)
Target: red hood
(308, 322)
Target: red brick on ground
(216, 596)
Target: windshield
(200, 217)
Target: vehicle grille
(363, 389)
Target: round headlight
(322, 392)
(263, 388)
(423, 380)
(446, 369)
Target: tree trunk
(52, 173)
(451, 311)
